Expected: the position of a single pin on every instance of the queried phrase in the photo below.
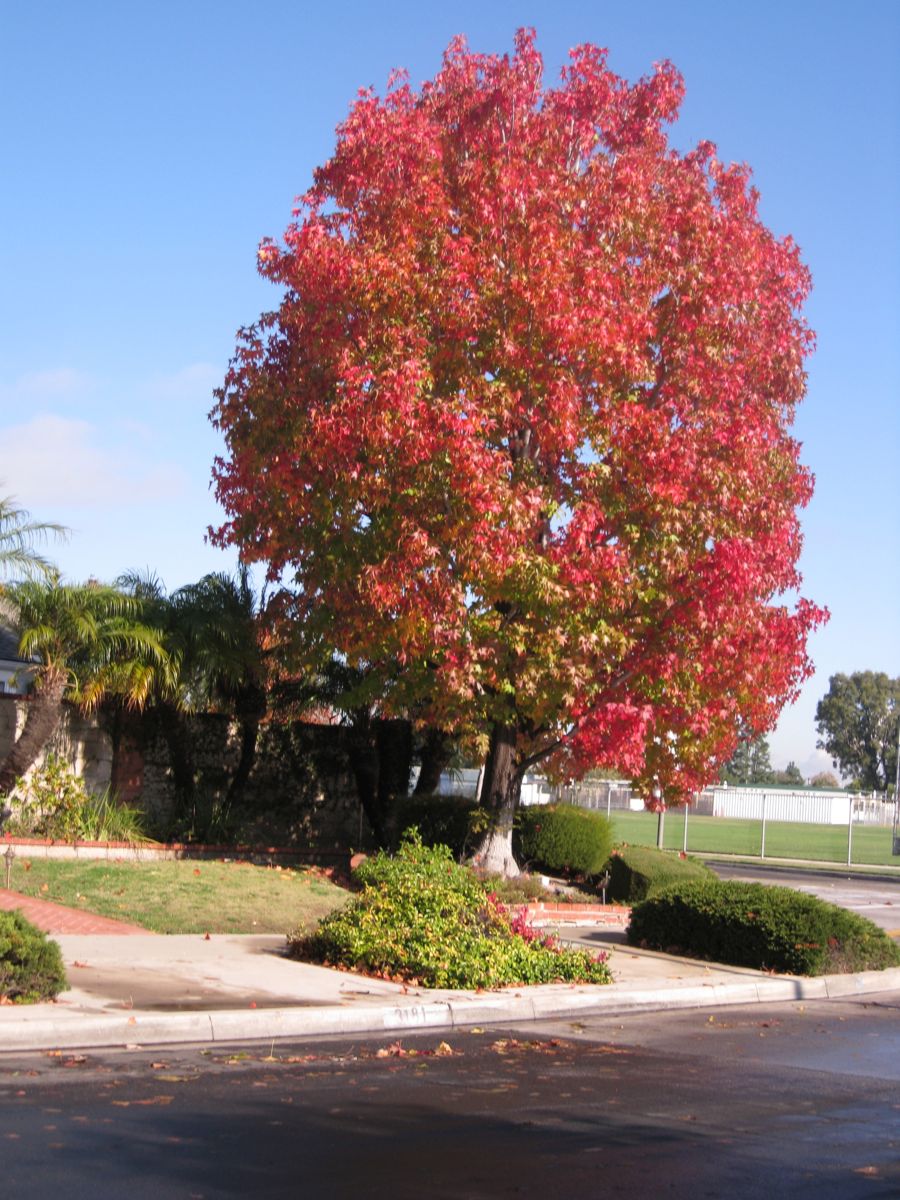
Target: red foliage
(517, 436)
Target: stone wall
(300, 791)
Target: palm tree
(223, 665)
(18, 537)
(86, 641)
(211, 631)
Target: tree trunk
(500, 793)
(437, 749)
(363, 755)
(44, 712)
(394, 744)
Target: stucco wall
(78, 739)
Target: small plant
(523, 889)
(31, 967)
(562, 837)
(636, 872)
(55, 803)
(770, 928)
(422, 917)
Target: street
(789, 1100)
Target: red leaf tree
(517, 437)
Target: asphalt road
(796, 1100)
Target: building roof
(9, 646)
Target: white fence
(748, 803)
(811, 808)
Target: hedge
(31, 967)
(754, 925)
(441, 821)
(562, 837)
(636, 872)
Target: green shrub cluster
(441, 820)
(422, 917)
(636, 872)
(31, 966)
(55, 803)
(753, 925)
(562, 837)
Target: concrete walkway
(131, 988)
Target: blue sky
(147, 148)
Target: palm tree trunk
(250, 710)
(178, 744)
(44, 712)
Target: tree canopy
(750, 765)
(857, 720)
(516, 439)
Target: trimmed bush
(636, 872)
(31, 966)
(422, 917)
(441, 820)
(753, 925)
(562, 837)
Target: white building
(15, 673)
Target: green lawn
(182, 896)
(784, 839)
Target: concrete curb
(88, 1031)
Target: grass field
(182, 897)
(784, 839)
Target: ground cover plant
(753, 925)
(183, 896)
(31, 967)
(54, 802)
(422, 917)
(562, 837)
(636, 872)
(784, 839)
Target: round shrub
(562, 837)
(422, 917)
(636, 872)
(753, 925)
(31, 966)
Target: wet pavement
(797, 1100)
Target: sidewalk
(130, 988)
